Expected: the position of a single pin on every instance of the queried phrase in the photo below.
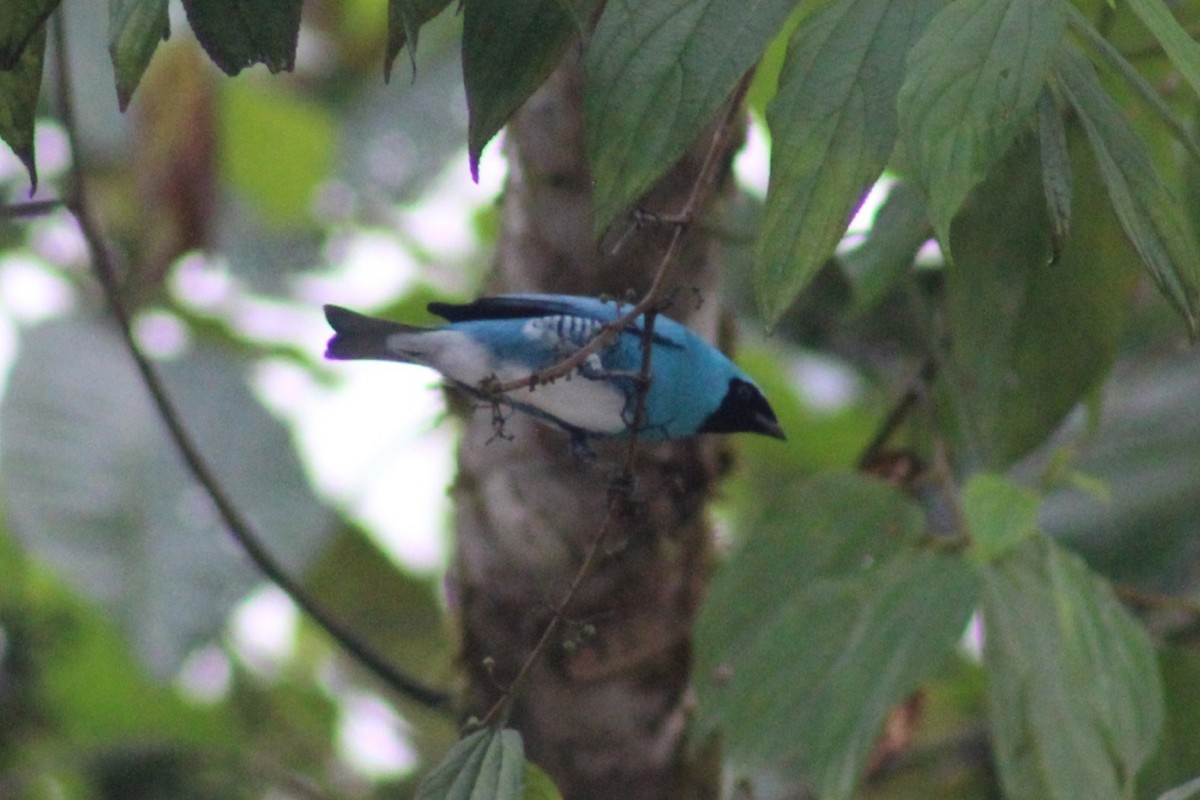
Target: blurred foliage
(1031, 379)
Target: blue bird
(693, 388)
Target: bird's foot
(581, 449)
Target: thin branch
(104, 265)
(916, 390)
(1158, 601)
(33, 208)
(648, 306)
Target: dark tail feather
(360, 336)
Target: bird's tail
(359, 336)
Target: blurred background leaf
(94, 487)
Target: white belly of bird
(591, 405)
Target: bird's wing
(525, 306)
(521, 306)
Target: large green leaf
(1075, 695)
(94, 488)
(405, 18)
(488, 763)
(657, 73)
(19, 89)
(135, 29)
(833, 127)
(1029, 338)
(973, 81)
(824, 619)
(508, 51)
(240, 33)
(1149, 213)
(20, 21)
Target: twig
(557, 616)
(1158, 601)
(102, 261)
(899, 412)
(33, 208)
(647, 305)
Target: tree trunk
(603, 712)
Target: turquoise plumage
(694, 387)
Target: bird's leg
(499, 418)
(580, 448)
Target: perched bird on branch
(513, 351)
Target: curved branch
(103, 263)
(32, 208)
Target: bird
(693, 387)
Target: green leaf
(508, 51)
(240, 33)
(19, 89)
(1030, 338)
(900, 230)
(276, 148)
(1178, 43)
(102, 496)
(822, 621)
(1149, 213)
(135, 27)
(1056, 169)
(538, 785)
(488, 763)
(833, 127)
(20, 22)
(1074, 689)
(405, 18)
(973, 80)
(999, 514)
(657, 73)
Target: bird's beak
(769, 426)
